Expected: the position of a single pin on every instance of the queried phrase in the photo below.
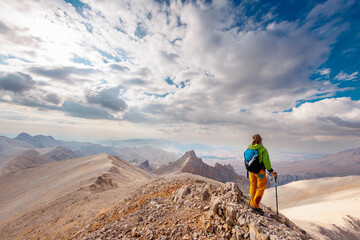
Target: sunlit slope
(325, 202)
(48, 182)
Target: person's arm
(267, 163)
(266, 160)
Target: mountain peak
(222, 173)
(189, 163)
(23, 136)
(190, 158)
(39, 141)
(190, 154)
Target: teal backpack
(252, 163)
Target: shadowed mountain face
(189, 163)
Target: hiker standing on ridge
(256, 161)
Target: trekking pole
(277, 211)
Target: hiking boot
(258, 210)
(254, 207)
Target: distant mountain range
(10, 147)
(32, 158)
(139, 151)
(39, 141)
(225, 154)
(336, 165)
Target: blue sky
(212, 72)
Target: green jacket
(263, 155)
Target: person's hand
(274, 174)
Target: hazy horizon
(211, 154)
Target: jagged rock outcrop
(188, 208)
(189, 163)
(221, 173)
(103, 183)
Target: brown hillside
(59, 197)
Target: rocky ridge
(188, 208)
(189, 163)
(221, 173)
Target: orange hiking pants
(257, 187)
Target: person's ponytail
(257, 139)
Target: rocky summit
(188, 207)
(190, 163)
